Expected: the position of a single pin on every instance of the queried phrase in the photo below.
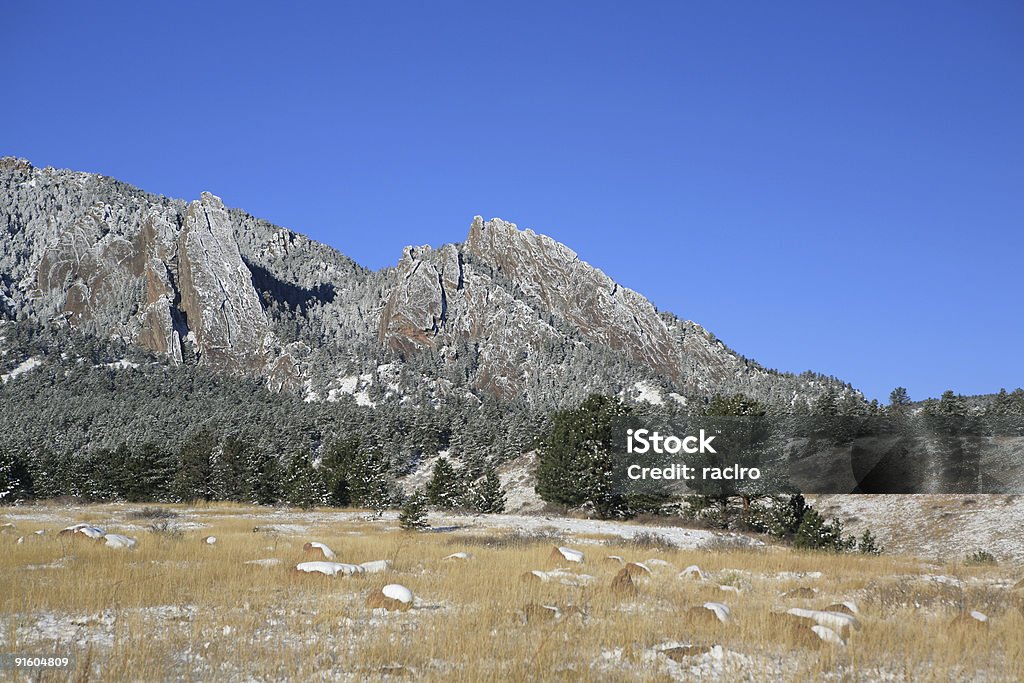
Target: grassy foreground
(177, 608)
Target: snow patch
(25, 366)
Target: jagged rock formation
(508, 313)
(218, 301)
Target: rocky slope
(508, 313)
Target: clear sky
(824, 185)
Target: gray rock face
(217, 296)
(509, 312)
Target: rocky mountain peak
(509, 313)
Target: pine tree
(413, 516)
(15, 480)
(369, 480)
(304, 486)
(336, 466)
(574, 462)
(445, 486)
(193, 476)
(264, 477)
(231, 480)
(489, 498)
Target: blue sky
(827, 186)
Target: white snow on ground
(518, 480)
(26, 366)
(329, 568)
(932, 526)
(419, 477)
(299, 523)
(265, 562)
(122, 364)
(648, 392)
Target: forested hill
(136, 329)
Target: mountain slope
(508, 314)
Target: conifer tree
(489, 498)
(445, 486)
(413, 516)
(193, 476)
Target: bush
(868, 544)
(152, 513)
(646, 540)
(815, 533)
(982, 557)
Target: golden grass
(176, 608)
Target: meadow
(177, 607)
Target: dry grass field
(177, 608)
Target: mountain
(507, 315)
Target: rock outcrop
(508, 313)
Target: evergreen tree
(336, 465)
(445, 488)
(868, 544)
(231, 477)
(15, 480)
(369, 480)
(264, 477)
(574, 462)
(304, 485)
(817, 534)
(413, 516)
(193, 476)
(489, 498)
(745, 437)
(899, 399)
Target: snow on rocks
(86, 530)
(562, 576)
(376, 566)
(458, 556)
(722, 611)
(318, 549)
(838, 621)
(118, 541)
(793, 576)
(692, 572)
(730, 589)
(635, 569)
(680, 653)
(615, 559)
(846, 607)
(562, 554)
(828, 635)
(210, 540)
(329, 568)
(392, 597)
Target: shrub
(149, 512)
(981, 557)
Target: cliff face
(218, 301)
(509, 312)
